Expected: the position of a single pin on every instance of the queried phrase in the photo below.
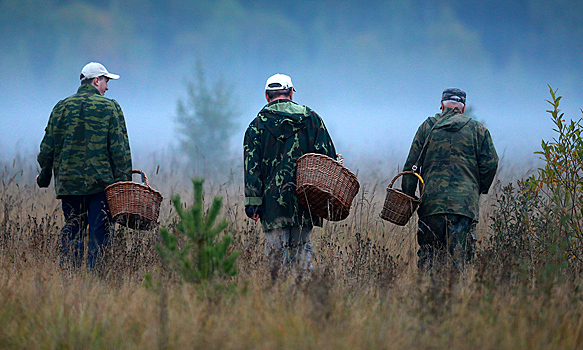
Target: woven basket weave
(132, 204)
(325, 186)
(399, 207)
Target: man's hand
(253, 212)
(42, 183)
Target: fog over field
(373, 70)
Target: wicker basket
(399, 207)
(132, 204)
(325, 186)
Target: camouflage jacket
(281, 133)
(459, 164)
(85, 144)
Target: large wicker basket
(325, 186)
(132, 204)
(399, 207)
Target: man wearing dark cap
(282, 132)
(86, 147)
(455, 156)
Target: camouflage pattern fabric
(85, 144)
(281, 133)
(459, 164)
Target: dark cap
(454, 94)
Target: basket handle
(340, 158)
(414, 173)
(144, 177)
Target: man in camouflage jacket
(281, 133)
(86, 146)
(458, 164)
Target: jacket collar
(88, 89)
(450, 111)
(281, 100)
(451, 120)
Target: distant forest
(315, 31)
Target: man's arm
(45, 157)
(252, 166)
(323, 143)
(487, 163)
(409, 181)
(119, 146)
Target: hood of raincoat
(451, 120)
(284, 118)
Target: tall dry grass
(366, 291)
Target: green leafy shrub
(515, 248)
(536, 226)
(192, 250)
(561, 179)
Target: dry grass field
(366, 291)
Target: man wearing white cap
(95, 74)
(282, 132)
(86, 147)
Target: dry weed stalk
(365, 292)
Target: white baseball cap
(94, 69)
(279, 82)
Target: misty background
(372, 70)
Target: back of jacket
(459, 164)
(282, 132)
(85, 144)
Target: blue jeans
(84, 215)
(289, 247)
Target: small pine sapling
(192, 250)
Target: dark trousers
(446, 236)
(84, 215)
